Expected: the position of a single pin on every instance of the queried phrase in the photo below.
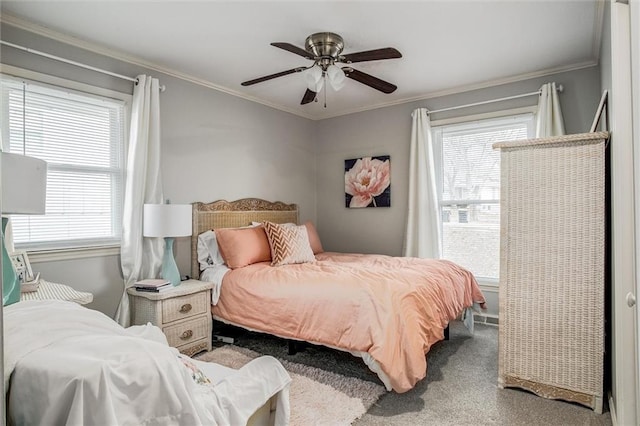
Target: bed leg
(292, 347)
(446, 333)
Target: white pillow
(208, 252)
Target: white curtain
(549, 121)
(422, 237)
(141, 257)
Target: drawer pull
(187, 335)
(185, 308)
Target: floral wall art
(367, 182)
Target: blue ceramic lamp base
(10, 280)
(169, 268)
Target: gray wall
(388, 130)
(214, 146)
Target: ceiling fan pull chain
(325, 95)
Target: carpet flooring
(460, 387)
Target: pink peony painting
(367, 182)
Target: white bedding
(214, 274)
(211, 262)
(66, 364)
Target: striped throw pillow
(289, 244)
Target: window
(81, 136)
(468, 183)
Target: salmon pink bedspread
(393, 308)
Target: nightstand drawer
(184, 306)
(188, 331)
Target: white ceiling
(447, 46)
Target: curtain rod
(560, 89)
(70, 62)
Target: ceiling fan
(325, 50)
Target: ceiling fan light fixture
(313, 77)
(336, 77)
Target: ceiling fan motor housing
(324, 45)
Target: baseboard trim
(488, 319)
(489, 288)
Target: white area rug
(317, 397)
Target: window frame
(437, 153)
(46, 254)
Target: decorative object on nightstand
(28, 280)
(183, 313)
(168, 221)
(24, 186)
(153, 284)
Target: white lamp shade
(167, 220)
(314, 79)
(24, 184)
(336, 77)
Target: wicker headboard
(233, 214)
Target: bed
(67, 364)
(387, 310)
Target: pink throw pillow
(243, 246)
(289, 244)
(314, 238)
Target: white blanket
(66, 364)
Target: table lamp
(24, 188)
(168, 221)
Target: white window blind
(468, 181)
(81, 136)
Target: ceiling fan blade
(269, 77)
(369, 80)
(308, 97)
(371, 55)
(293, 49)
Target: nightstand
(183, 313)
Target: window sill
(53, 255)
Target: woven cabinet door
(552, 255)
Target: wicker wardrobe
(552, 254)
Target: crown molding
(92, 47)
(469, 87)
(120, 56)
